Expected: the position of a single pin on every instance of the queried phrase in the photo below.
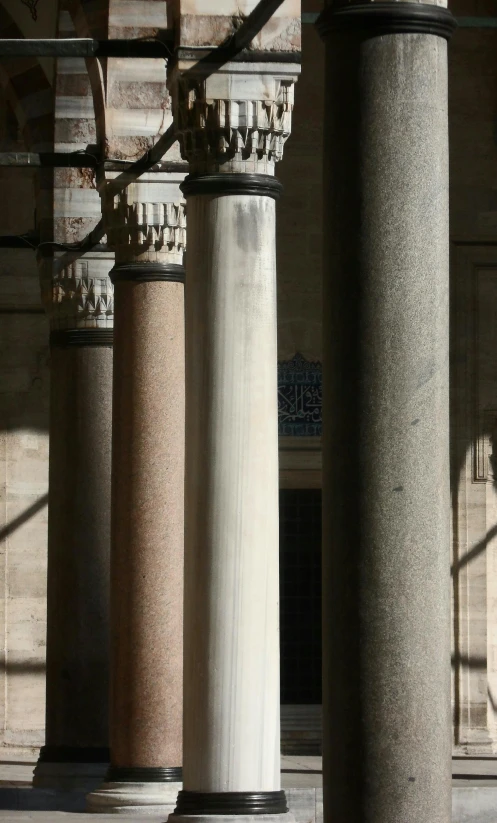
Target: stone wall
(473, 156)
(24, 391)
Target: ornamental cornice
(236, 119)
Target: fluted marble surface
(231, 689)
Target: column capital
(80, 295)
(146, 220)
(235, 119)
(373, 18)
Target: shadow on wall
(459, 660)
(20, 667)
(474, 551)
(22, 518)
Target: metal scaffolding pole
(86, 47)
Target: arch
(29, 91)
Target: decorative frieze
(236, 119)
(81, 295)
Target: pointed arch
(28, 90)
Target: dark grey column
(387, 724)
(80, 304)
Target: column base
(147, 798)
(70, 768)
(285, 817)
(242, 807)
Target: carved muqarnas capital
(142, 227)
(81, 295)
(236, 119)
(146, 220)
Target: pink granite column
(147, 503)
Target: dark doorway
(300, 595)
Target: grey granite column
(386, 685)
(231, 727)
(79, 299)
(146, 225)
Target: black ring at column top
(205, 803)
(391, 17)
(147, 272)
(222, 184)
(62, 338)
(144, 774)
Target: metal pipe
(86, 47)
(19, 241)
(78, 160)
(31, 240)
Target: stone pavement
(474, 794)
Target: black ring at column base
(192, 803)
(74, 754)
(81, 337)
(220, 184)
(147, 272)
(144, 774)
(391, 17)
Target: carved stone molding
(236, 119)
(147, 219)
(81, 295)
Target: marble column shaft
(386, 608)
(79, 301)
(231, 692)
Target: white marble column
(146, 226)
(231, 726)
(79, 301)
(386, 503)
